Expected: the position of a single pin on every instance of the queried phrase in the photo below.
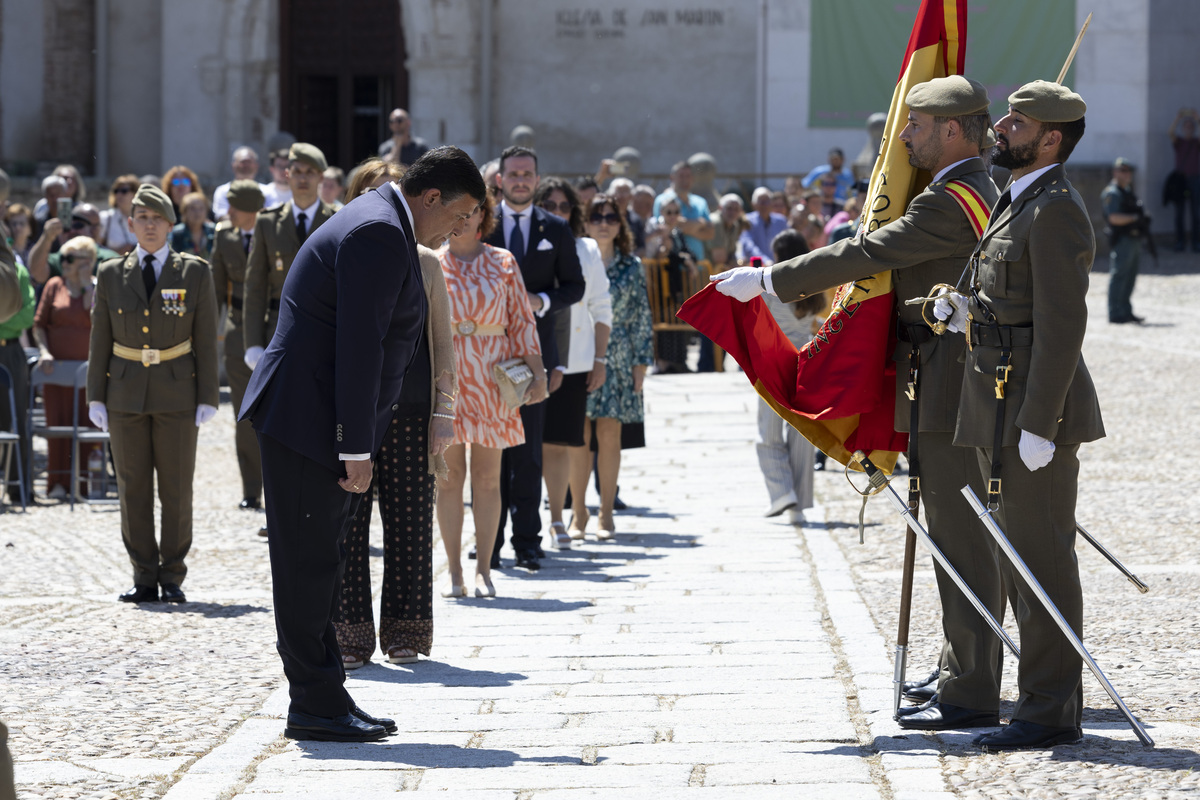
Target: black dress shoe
(528, 559)
(388, 725)
(140, 594)
(1134, 318)
(1022, 735)
(618, 503)
(346, 728)
(919, 682)
(904, 711)
(539, 552)
(472, 554)
(249, 504)
(263, 531)
(945, 717)
(922, 694)
(171, 593)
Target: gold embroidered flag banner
(839, 390)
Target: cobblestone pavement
(706, 652)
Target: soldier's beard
(1014, 157)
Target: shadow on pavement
(426, 755)
(211, 610)
(438, 672)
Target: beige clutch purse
(513, 377)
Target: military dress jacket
(123, 315)
(229, 261)
(272, 250)
(1032, 272)
(929, 244)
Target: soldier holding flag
(947, 123)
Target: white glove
(204, 413)
(98, 414)
(1036, 452)
(740, 283)
(951, 308)
(253, 356)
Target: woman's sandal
(562, 539)
(400, 654)
(353, 662)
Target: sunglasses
(71, 258)
(78, 223)
(610, 218)
(563, 208)
(123, 190)
(180, 182)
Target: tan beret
(989, 138)
(1123, 163)
(309, 154)
(155, 199)
(246, 195)
(953, 96)
(1048, 102)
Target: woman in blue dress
(630, 351)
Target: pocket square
(545, 244)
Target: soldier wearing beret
(278, 234)
(231, 249)
(152, 381)
(1027, 398)
(948, 122)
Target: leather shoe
(346, 728)
(139, 594)
(1022, 735)
(388, 725)
(249, 504)
(171, 593)
(263, 531)
(904, 711)
(919, 682)
(946, 717)
(528, 559)
(472, 554)
(922, 694)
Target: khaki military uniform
(229, 273)
(152, 409)
(930, 244)
(1030, 284)
(275, 245)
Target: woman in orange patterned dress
(493, 322)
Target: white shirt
(595, 308)
(508, 219)
(220, 205)
(114, 228)
(1021, 184)
(160, 259)
(274, 195)
(310, 214)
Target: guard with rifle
(1127, 226)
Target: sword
(880, 481)
(989, 522)
(1134, 579)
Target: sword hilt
(874, 474)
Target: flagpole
(1074, 49)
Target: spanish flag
(839, 390)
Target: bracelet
(447, 406)
(602, 360)
(443, 416)
(447, 394)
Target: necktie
(516, 241)
(148, 275)
(246, 242)
(1004, 202)
(301, 226)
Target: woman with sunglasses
(630, 351)
(62, 326)
(565, 459)
(178, 182)
(114, 230)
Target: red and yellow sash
(971, 203)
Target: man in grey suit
(1027, 398)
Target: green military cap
(1048, 102)
(309, 154)
(952, 96)
(155, 199)
(246, 195)
(1123, 163)
(989, 138)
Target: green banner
(857, 46)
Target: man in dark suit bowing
(545, 250)
(351, 321)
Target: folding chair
(10, 439)
(73, 374)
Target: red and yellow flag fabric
(839, 390)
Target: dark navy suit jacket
(552, 268)
(351, 317)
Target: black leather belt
(1000, 336)
(914, 332)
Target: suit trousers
(145, 445)
(521, 483)
(1122, 274)
(785, 457)
(245, 440)
(971, 654)
(1037, 514)
(308, 514)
